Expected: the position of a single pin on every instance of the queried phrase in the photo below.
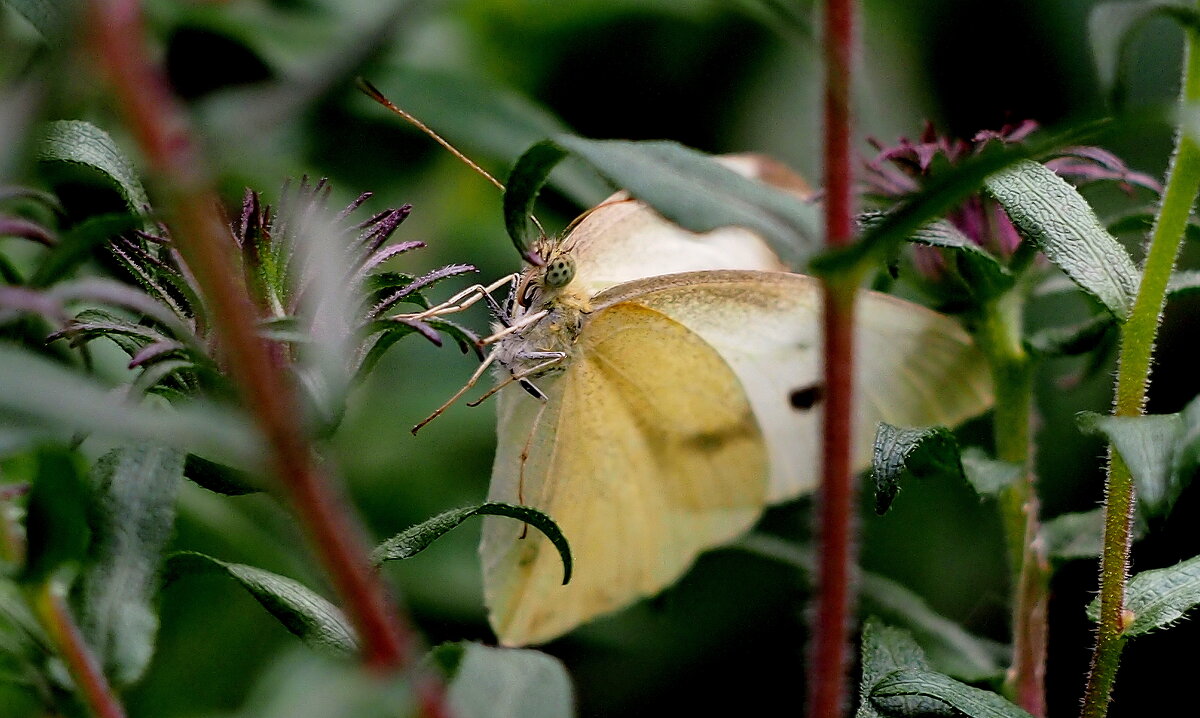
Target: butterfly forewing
(646, 453)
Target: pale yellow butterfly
(675, 392)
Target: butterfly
(659, 388)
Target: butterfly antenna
(374, 93)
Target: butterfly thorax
(542, 289)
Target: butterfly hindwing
(646, 453)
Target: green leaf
(416, 539)
(302, 611)
(987, 475)
(56, 522)
(896, 689)
(1183, 283)
(50, 17)
(984, 274)
(1148, 445)
(925, 452)
(683, 185)
(36, 390)
(1054, 215)
(1079, 535)
(82, 144)
(884, 650)
(486, 682)
(75, 247)
(488, 120)
(1160, 597)
(1072, 340)
(948, 646)
(135, 489)
(304, 684)
(1111, 27)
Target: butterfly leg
(465, 388)
(551, 358)
(515, 327)
(466, 298)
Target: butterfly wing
(915, 367)
(645, 453)
(623, 239)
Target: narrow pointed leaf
(900, 452)
(1072, 340)
(884, 650)
(1079, 535)
(899, 687)
(985, 275)
(218, 478)
(135, 491)
(36, 390)
(1147, 444)
(76, 246)
(302, 611)
(682, 184)
(1160, 597)
(82, 144)
(487, 682)
(1053, 214)
(416, 539)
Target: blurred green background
(723, 76)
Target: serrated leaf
(1072, 340)
(924, 452)
(948, 645)
(1147, 444)
(487, 682)
(36, 390)
(986, 475)
(82, 144)
(1159, 597)
(884, 650)
(135, 489)
(416, 539)
(1054, 215)
(1111, 26)
(687, 187)
(896, 689)
(302, 611)
(56, 522)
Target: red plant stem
(89, 679)
(160, 127)
(837, 498)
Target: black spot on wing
(806, 397)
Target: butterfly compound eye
(559, 272)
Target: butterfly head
(544, 285)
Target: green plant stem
(837, 496)
(999, 335)
(160, 125)
(1138, 335)
(55, 617)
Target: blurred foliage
(272, 84)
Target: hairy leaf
(985, 276)
(302, 611)
(1072, 340)
(1159, 597)
(1053, 214)
(82, 144)
(896, 689)
(416, 539)
(682, 184)
(487, 682)
(884, 650)
(135, 491)
(924, 452)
